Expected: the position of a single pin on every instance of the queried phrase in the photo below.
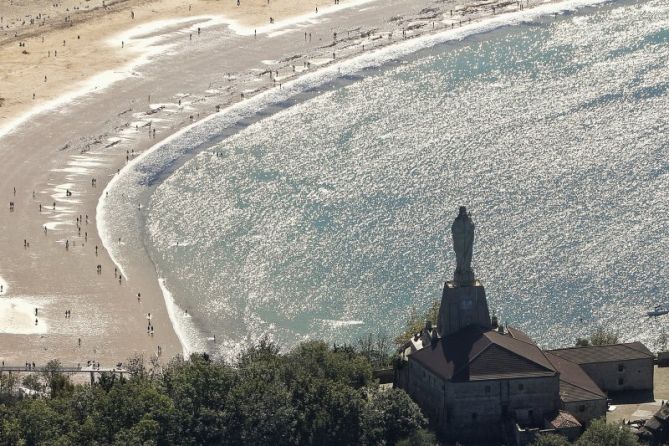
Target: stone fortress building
(479, 382)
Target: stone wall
(428, 390)
(478, 408)
(634, 374)
(474, 410)
(586, 411)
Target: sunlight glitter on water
(554, 134)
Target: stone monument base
(462, 306)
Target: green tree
(317, 360)
(10, 427)
(599, 433)
(550, 440)
(416, 322)
(8, 384)
(420, 437)
(198, 389)
(601, 336)
(32, 382)
(604, 337)
(377, 348)
(40, 423)
(390, 416)
(56, 381)
(260, 411)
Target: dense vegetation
(416, 323)
(601, 336)
(597, 434)
(314, 395)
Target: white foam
(53, 225)
(199, 133)
(310, 17)
(181, 321)
(341, 323)
(17, 316)
(145, 48)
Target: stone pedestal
(462, 306)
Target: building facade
(478, 382)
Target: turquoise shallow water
(331, 219)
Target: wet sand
(184, 77)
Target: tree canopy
(416, 322)
(601, 336)
(599, 433)
(313, 395)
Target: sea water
(331, 219)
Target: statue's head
(463, 211)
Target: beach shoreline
(98, 162)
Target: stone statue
(463, 244)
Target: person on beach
(96, 250)
(35, 311)
(67, 245)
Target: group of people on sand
(93, 364)
(80, 220)
(30, 366)
(149, 325)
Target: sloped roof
(604, 353)
(517, 334)
(475, 353)
(575, 384)
(564, 420)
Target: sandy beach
(128, 75)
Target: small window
(581, 408)
(621, 381)
(621, 367)
(474, 416)
(521, 387)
